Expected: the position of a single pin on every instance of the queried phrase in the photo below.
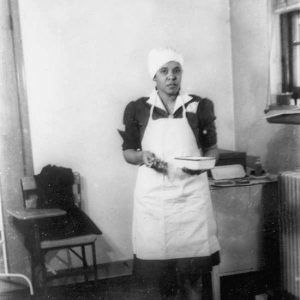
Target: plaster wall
(85, 60)
(256, 79)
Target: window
(290, 42)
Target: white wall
(255, 47)
(85, 60)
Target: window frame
(287, 53)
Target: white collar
(154, 99)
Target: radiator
(290, 232)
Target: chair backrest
(77, 189)
(30, 196)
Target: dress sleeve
(131, 135)
(207, 127)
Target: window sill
(283, 114)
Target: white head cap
(160, 56)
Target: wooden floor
(123, 288)
(243, 287)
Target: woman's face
(168, 78)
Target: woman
(174, 231)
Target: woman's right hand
(137, 157)
(151, 161)
(148, 158)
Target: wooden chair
(76, 245)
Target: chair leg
(39, 276)
(94, 261)
(44, 274)
(85, 266)
(38, 268)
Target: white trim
(154, 99)
(21, 85)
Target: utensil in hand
(160, 166)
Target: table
(31, 215)
(247, 221)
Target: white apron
(173, 215)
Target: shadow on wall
(283, 150)
(107, 249)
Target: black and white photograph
(150, 149)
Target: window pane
(296, 26)
(296, 66)
(296, 48)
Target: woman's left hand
(193, 172)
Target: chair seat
(73, 241)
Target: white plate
(228, 172)
(195, 162)
(224, 183)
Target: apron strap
(183, 108)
